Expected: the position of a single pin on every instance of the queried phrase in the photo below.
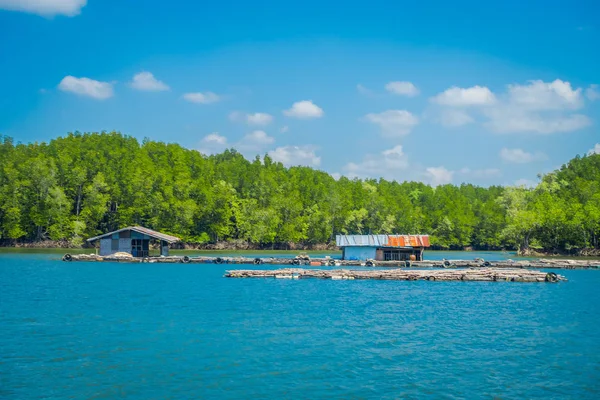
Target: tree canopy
(84, 184)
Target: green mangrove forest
(83, 184)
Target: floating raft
(330, 262)
(475, 274)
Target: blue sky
(443, 92)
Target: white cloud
(296, 155)
(537, 107)
(481, 173)
(394, 123)
(459, 97)
(259, 119)
(592, 93)
(519, 156)
(439, 175)
(284, 129)
(364, 90)
(453, 117)
(539, 95)
(336, 176)
(202, 98)
(259, 137)
(595, 150)
(254, 142)
(46, 8)
(146, 81)
(215, 138)
(86, 87)
(513, 119)
(387, 164)
(393, 164)
(402, 88)
(395, 158)
(213, 143)
(304, 109)
(236, 116)
(250, 145)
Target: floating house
(134, 240)
(382, 247)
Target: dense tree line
(83, 184)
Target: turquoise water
(182, 331)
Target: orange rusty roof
(408, 241)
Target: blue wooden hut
(382, 247)
(134, 240)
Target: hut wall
(359, 253)
(137, 235)
(106, 247)
(125, 245)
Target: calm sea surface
(182, 331)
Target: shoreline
(219, 246)
(433, 254)
(245, 246)
(550, 254)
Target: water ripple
(98, 331)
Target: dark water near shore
(182, 331)
(429, 254)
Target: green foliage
(80, 185)
(561, 213)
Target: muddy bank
(43, 244)
(559, 253)
(230, 245)
(241, 245)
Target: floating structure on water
(476, 274)
(382, 247)
(331, 262)
(133, 240)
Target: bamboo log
(329, 262)
(479, 274)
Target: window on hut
(395, 255)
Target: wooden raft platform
(475, 274)
(330, 262)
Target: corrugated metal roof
(142, 230)
(383, 240)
